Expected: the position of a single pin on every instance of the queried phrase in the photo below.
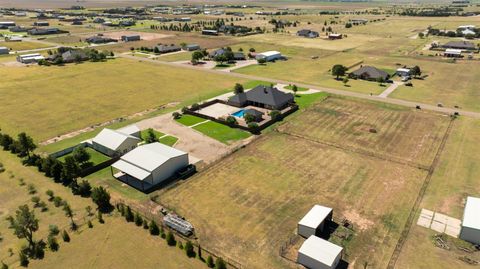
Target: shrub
(36, 201)
(128, 214)
(23, 259)
(153, 228)
(171, 239)
(189, 249)
(100, 217)
(220, 264)
(195, 106)
(209, 262)
(253, 126)
(231, 120)
(179, 244)
(176, 115)
(53, 230)
(52, 243)
(65, 236)
(145, 224)
(276, 115)
(31, 189)
(90, 224)
(57, 201)
(138, 219)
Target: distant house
(30, 58)
(209, 32)
(98, 20)
(403, 72)
(18, 29)
(115, 143)
(335, 36)
(314, 221)
(168, 48)
(359, 21)
(192, 47)
(453, 53)
(126, 23)
(77, 23)
(466, 27)
(149, 165)
(4, 50)
(370, 73)
(269, 56)
(41, 23)
(74, 56)
(100, 40)
(318, 253)
(215, 53)
(128, 38)
(45, 31)
(263, 97)
(308, 33)
(470, 230)
(6, 24)
(461, 45)
(184, 19)
(239, 56)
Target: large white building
(30, 58)
(314, 221)
(148, 165)
(269, 56)
(115, 143)
(317, 253)
(470, 230)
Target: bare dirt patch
(143, 35)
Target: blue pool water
(239, 114)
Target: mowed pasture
(389, 132)
(49, 101)
(23, 45)
(248, 205)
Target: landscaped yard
(189, 120)
(221, 132)
(95, 156)
(81, 95)
(168, 140)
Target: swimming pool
(239, 114)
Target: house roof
(150, 156)
(131, 169)
(459, 45)
(265, 95)
(453, 51)
(371, 71)
(269, 53)
(320, 250)
(112, 139)
(315, 216)
(130, 129)
(471, 215)
(71, 55)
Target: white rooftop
(150, 156)
(112, 139)
(270, 53)
(403, 70)
(320, 250)
(130, 129)
(30, 55)
(453, 51)
(471, 215)
(315, 216)
(131, 169)
(471, 26)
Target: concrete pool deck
(218, 110)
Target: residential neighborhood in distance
(261, 134)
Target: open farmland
(388, 132)
(23, 45)
(264, 190)
(80, 95)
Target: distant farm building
(30, 58)
(114, 143)
(461, 45)
(403, 72)
(128, 38)
(307, 33)
(453, 53)
(100, 40)
(313, 222)
(41, 23)
(317, 253)
(6, 24)
(369, 73)
(471, 221)
(335, 36)
(4, 50)
(149, 165)
(45, 31)
(192, 47)
(269, 56)
(209, 32)
(168, 48)
(263, 97)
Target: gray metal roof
(459, 45)
(268, 95)
(371, 71)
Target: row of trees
(155, 230)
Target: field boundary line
(416, 205)
(359, 151)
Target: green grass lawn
(306, 100)
(221, 132)
(168, 140)
(95, 156)
(189, 120)
(23, 45)
(144, 133)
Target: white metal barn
(314, 221)
(114, 142)
(471, 221)
(150, 164)
(317, 253)
(269, 56)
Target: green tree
(52, 243)
(275, 115)
(345, 81)
(153, 228)
(71, 170)
(138, 219)
(238, 88)
(197, 56)
(189, 249)
(65, 236)
(220, 264)
(57, 171)
(101, 197)
(50, 195)
(231, 120)
(262, 61)
(128, 214)
(26, 144)
(23, 259)
(100, 217)
(81, 155)
(220, 59)
(150, 137)
(339, 70)
(416, 71)
(24, 224)
(69, 213)
(210, 262)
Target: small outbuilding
(453, 53)
(269, 56)
(403, 72)
(318, 253)
(114, 143)
(148, 165)
(30, 58)
(313, 222)
(129, 38)
(4, 50)
(470, 230)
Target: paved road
(314, 87)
